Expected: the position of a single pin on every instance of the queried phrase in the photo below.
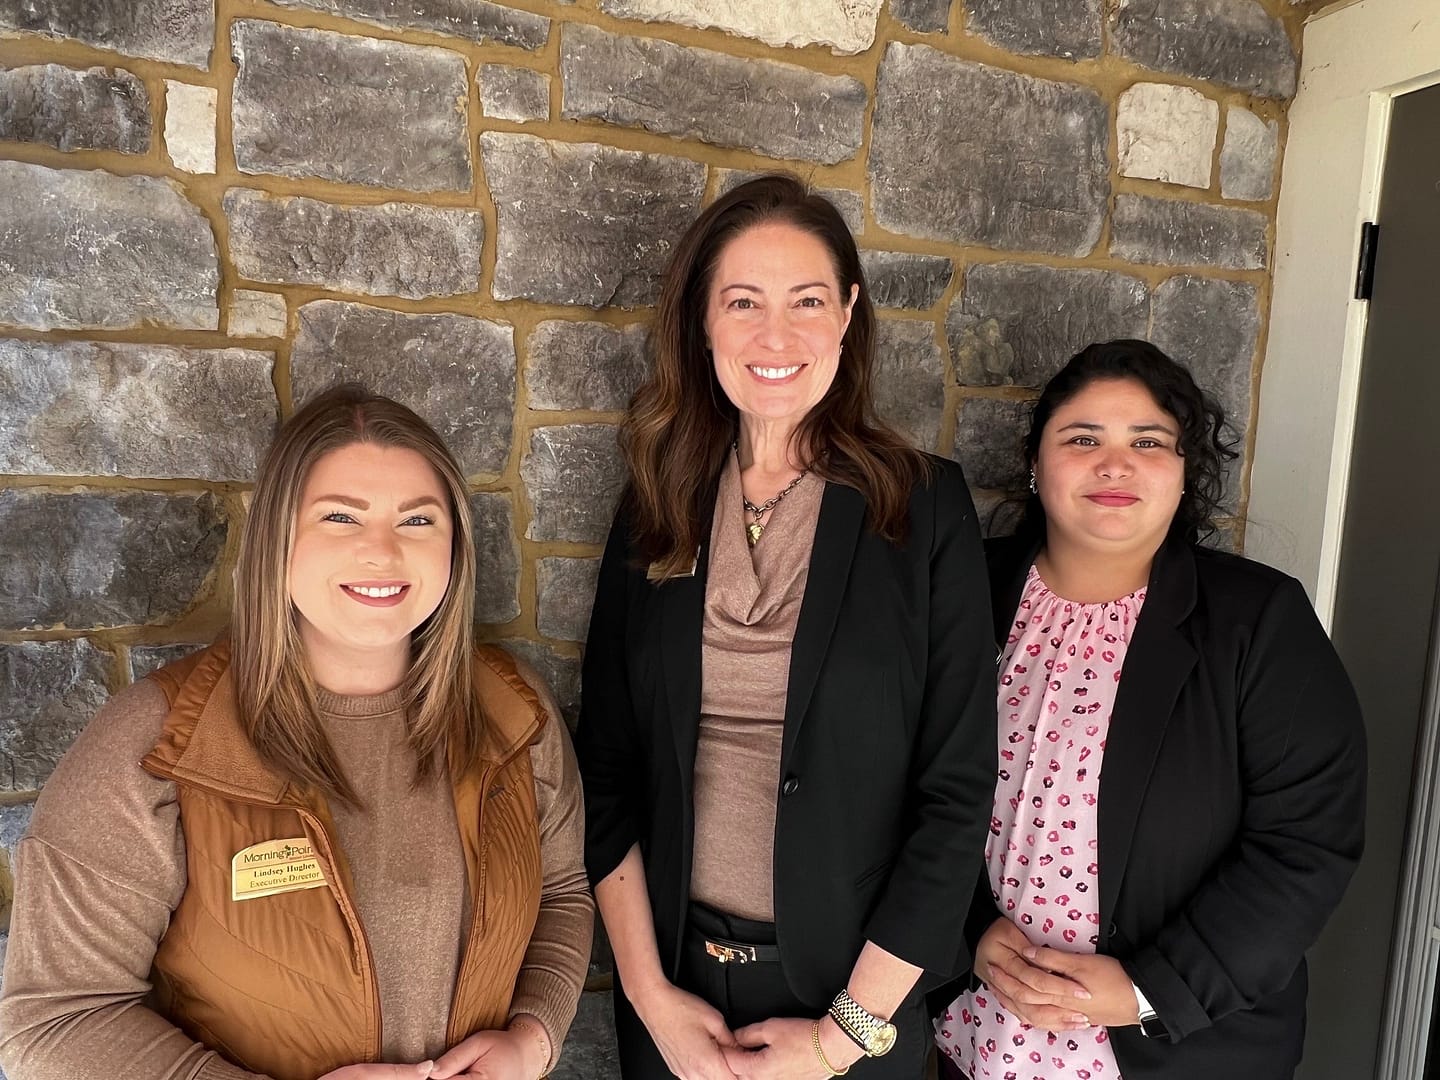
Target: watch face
(881, 1040)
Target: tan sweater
(104, 865)
(752, 604)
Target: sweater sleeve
(97, 878)
(553, 973)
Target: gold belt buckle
(729, 953)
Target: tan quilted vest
(284, 984)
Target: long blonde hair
(276, 691)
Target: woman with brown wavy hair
(343, 840)
(785, 730)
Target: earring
(1033, 489)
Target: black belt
(724, 951)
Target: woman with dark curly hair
(1180, 785)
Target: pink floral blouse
(1058, 678)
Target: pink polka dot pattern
(1058, 678)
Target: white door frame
(1355, 60)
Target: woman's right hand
(1036, 996)
(687, 1030)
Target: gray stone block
(781, 110)
(989, 442)
(512, 93)
(1212, 327)
(49, 690)
(147, 658)
(103, 251)
(580, 223)
(176, 31)
(565, 593)
(456, 371)
(909, 380)
(590, 1052)
(971, 154)
(358, 110)
(922, 16)
(848, 26)
(1234, 42)
(497, 558)
(573, 476)
(849, 204)
(474, 20)
(1015, 323)
(903, 279)
(1167, 232)
(1072, 29)
(1247, 160)
(257, 314)
(393, 249)
(14, 823)
(79, 408)
(584, 365)
(98, 559)
(560, 671)
(999, 512)
(75, 110)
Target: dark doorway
(1385, 614)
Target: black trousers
(748, 993)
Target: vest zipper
(451, 1035)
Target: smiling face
(1108, 471)
(774, 320)
(371, 556)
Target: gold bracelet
(830, 1070)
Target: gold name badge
(276, 866)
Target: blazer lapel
(682, 601)
(1156, 666)
(842, 513)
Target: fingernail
(1083, 994)
(1082, 1020)
(1030, 953)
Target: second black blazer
(1232, 804)
(888, 753)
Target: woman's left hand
(1112, 995)
(492, 1055)
(782, 1049)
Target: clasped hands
(696, 1044)
(520, 1052)
(1050, 989)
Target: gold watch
(866, 1030)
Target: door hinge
(1365, 270)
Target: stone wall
(213, 207)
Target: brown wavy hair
(681, 424)
(273, 683)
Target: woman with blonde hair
(343, 841)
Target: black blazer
(1231, 813)
(888, 760)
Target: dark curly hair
(1205, 439)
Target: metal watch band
(854, 1019)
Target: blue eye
(339, 516)
(418, 519)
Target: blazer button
(791, 785)
(1111, 930)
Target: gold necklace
(755, 530)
